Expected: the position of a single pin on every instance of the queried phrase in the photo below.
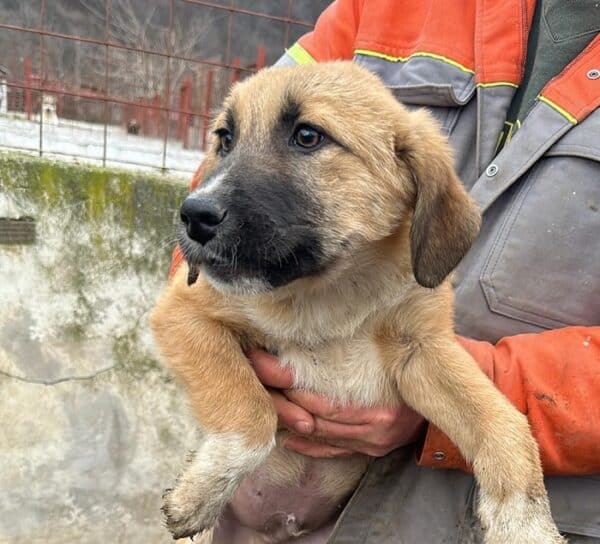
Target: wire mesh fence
(132, 82)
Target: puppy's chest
(349, 371)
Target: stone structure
(92, 429)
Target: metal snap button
(594, 73)
(439, 456)
(491, 170)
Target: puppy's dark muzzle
(202, 218)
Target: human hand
(328, 430)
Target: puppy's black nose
(201, 218)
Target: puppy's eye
(225, 141)
(307, 137)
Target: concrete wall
(91, 428)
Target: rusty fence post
(106, 93)
(28, 79)
(185, 99)
(41, 80)
(260, 57)
(235, 72)
(208, 90)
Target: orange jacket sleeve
(554, 378)
(335, 31)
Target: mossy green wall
(93, 428)
(96, 228)
(136, 202)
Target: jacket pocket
(446, 117)
(544, 265)
(425, 81)
(445, 101)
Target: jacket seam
(575, 150)
(394, 50)
(520, 171)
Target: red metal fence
(133, 72)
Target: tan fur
(189, 339)
(363, 331)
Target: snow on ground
(83, 142)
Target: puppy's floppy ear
(445, 220)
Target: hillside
(198, 32)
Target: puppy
(327, 221)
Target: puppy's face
(306, 167)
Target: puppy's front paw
(186, 513)
(198, 496)
(208, 483)
(518, 520)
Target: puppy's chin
(254, 286)
(240, 286)
(241, 276)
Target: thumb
(291, 416)
(269, 370)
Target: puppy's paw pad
(184, 517)
(520, 520)
(208, 482)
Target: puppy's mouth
(193, 273)
(249, 265)
(199, 258)
(212, 267)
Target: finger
(332, 430)
(314, 449)
(324, 408)
(292, 416)
(269, 371)
(365, 439)
(354, 446)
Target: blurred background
(132, 82)
(104, 109)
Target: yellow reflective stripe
(500, 141)
(380, 55)
(300, 55)
(511, 128)
(498, 84)
(390, 58)
(560, 110)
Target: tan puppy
(325, 226)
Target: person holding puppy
(515, 85)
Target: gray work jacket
(535, 266)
